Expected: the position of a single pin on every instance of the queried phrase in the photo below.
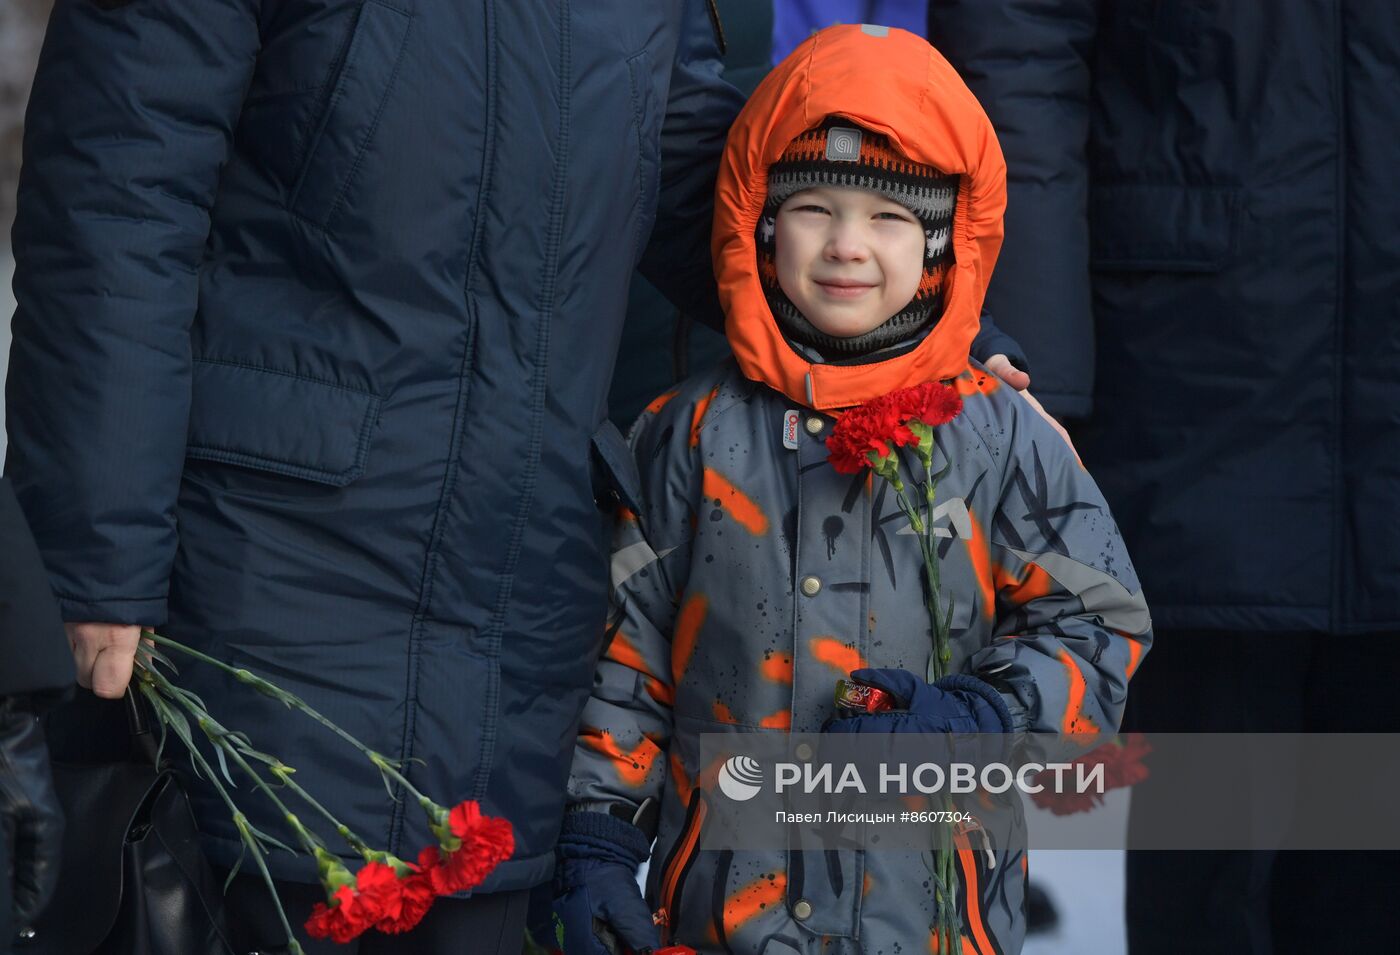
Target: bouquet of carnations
(386, 893)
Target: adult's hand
(105, 654)
(1001, 366)
(31, 822)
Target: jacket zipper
(972, 888)
(677, 867)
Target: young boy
(859, 215)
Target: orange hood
(896, 84)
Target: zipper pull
(968, 826)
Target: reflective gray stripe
(1127, 611)
(632, 558)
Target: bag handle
(143, 741)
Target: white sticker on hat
(872, 29)
(843, 144)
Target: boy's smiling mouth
(843, 288)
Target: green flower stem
(218, 735)
(937, 619)
(293, 946)
(149, 688)
(947, 919)
(284, 772)
(940, 619)
(267, 688)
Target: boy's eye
(892, 217)
(810, 208)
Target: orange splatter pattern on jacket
(661, 400)
(697, 417)
(740, 506)
(777, 667)
(1075, 721)
(750, 900)
(688, 623)
(840, 656)
(633, 764)
(1031, 584)
(623, 651)
(980, 555)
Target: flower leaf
(237, 864)
(267, 840)
(223, 763)
(149, 655)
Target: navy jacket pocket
(352, 112)
(280, 422)
(1167, 228)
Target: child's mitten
(957, 703)
(596, 883)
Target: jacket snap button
(802, 910)
(814, 425)
(811, 586)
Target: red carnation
(343, 920)
(1123, 766)
(884, 422)
(374, 895)
(933, 403)
(415, 897)
(1122, 763)
(377, 886)
(483, 843)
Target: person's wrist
(603, 836)
(973, 686)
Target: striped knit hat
(839, 153)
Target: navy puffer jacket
(318, 304)
(1203, 235)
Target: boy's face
(849, 259)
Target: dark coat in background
(34, 661)
(1203, 233)
(318, 305)
(34, 656)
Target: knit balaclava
(839, 153)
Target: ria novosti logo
(740, 778)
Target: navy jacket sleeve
(34, 653)
(700, 108)
(991, 340)
(1028, 62)
(129, 123)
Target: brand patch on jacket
(790, 419)
(843, 144)
(959, 522)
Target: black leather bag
(134, 880)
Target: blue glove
(596, 882)
(957, 703)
